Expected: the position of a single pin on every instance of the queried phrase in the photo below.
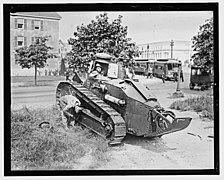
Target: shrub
(203, 104)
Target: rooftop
(49, 15)
(165, 42)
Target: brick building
(161, 50)
(24, 27)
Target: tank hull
(116, 107)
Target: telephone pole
(171, 48)
(147, 51)
(178, 93)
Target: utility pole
(142, 52)
(178, 93)
(147, 51)
(171, 48)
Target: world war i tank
(114, 105)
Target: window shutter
(32, 24)
(15, 41)
(25, 24)
(32, 40)
(41, 25)
(15, 23)
(25, 41)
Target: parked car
(201, 78)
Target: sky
(143, 27)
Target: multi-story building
(64, 48)
(180, 50)
(24, 27)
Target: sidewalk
(24, 84)
(141, 79)
(148, 81)
(17, 84)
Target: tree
(101, 36)
(35, 55)
(203, 45)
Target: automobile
(201, 78)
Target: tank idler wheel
(163, 124)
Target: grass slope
(203, 104)
(34, 148)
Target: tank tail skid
(165, 123)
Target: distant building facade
(64, 49)
(24, 27)
(160, 50)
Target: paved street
(32, 96)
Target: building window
(36, 24)
(20, 41)
(34, 40)
(20, 23)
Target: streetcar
(166, 68)
(143, 66)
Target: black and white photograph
(111, 89)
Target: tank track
(97, 115)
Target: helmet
(98, 65)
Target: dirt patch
(178, 150)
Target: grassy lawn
(27, 81)
(202, 103)
(51, 148)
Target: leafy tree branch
(35, 55)
(101, 36)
